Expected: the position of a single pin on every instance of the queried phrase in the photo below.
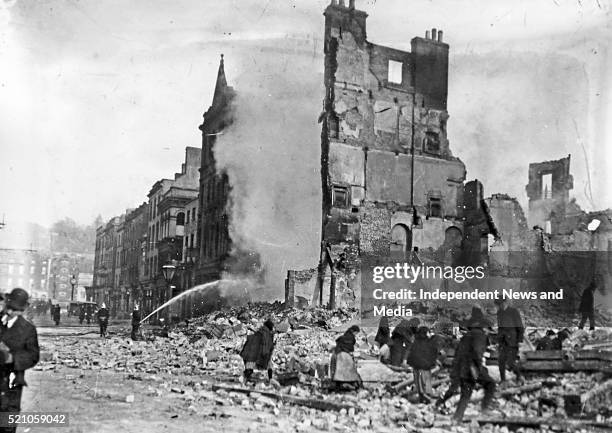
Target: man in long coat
(18, 352)
(510, 334)
(257, 350)
(135, 322)
(471, 369)
(587, 307)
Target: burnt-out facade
(390, 181)
(213, 219)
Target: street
(95, 399)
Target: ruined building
(213, 231)
(390, 180)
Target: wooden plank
(515, 422)
(285, 398)
(565, 366)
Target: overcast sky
(98, 98)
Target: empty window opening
(340, 196)
(395, 72)
(547, 185)
(432, 142)
(547, 227)
(435, 207)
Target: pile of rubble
(198, 363)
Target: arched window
(401, 241)
(180, 219)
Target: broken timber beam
(514, 422)
(520, 389)
(299, 401)
(566, 365)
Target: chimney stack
(342, 3)
(427, 34)
(440, 33)
(334, 2)
(434, 34)
(351, 4)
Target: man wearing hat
(103, 319)
(18, 351)
(510, 334)
(470, 368)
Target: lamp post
(168, 270)
(73, 282)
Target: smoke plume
(271, 153)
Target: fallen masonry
(198, 364)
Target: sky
(99, 98)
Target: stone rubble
(196, 356)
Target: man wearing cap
(510, 334)
(18, 352)
(103, 319)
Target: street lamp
(168, 270)
(73, 282)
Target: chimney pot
(434, 34)
(427, 34)
(440, 33)
(352, 4)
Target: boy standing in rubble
(510, 334)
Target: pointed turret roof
(221, 86)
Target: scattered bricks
(282, 326)
(213, 355)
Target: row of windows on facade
(20, 269)
(8, 282)
(341, 199)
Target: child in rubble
(258, 349)
(343, 369)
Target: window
(193, 214)
(43, 271)
(333, 126)
(180, 219)
(395, 72)
(547, 185)
(547, 227)
(340, 196)
(435, 207)
(21, 269)
(432, 142)
(10, 270)
(192, 238)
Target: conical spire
(221, 86)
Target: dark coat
(587, 301)
(423, 353)
(511, 329)
(383, 334)
(258, 347)
(22, 340)
(56, 312)
(546, 343)
(468, 357)
(345, 343)
(103, 315)
(136, 318)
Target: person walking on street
(587, 307)
(510, 334)
(81, 314)
(135, 322)
(257, 350)
(471, 369)
(19, 351)
(56, 309)
(103, 319)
